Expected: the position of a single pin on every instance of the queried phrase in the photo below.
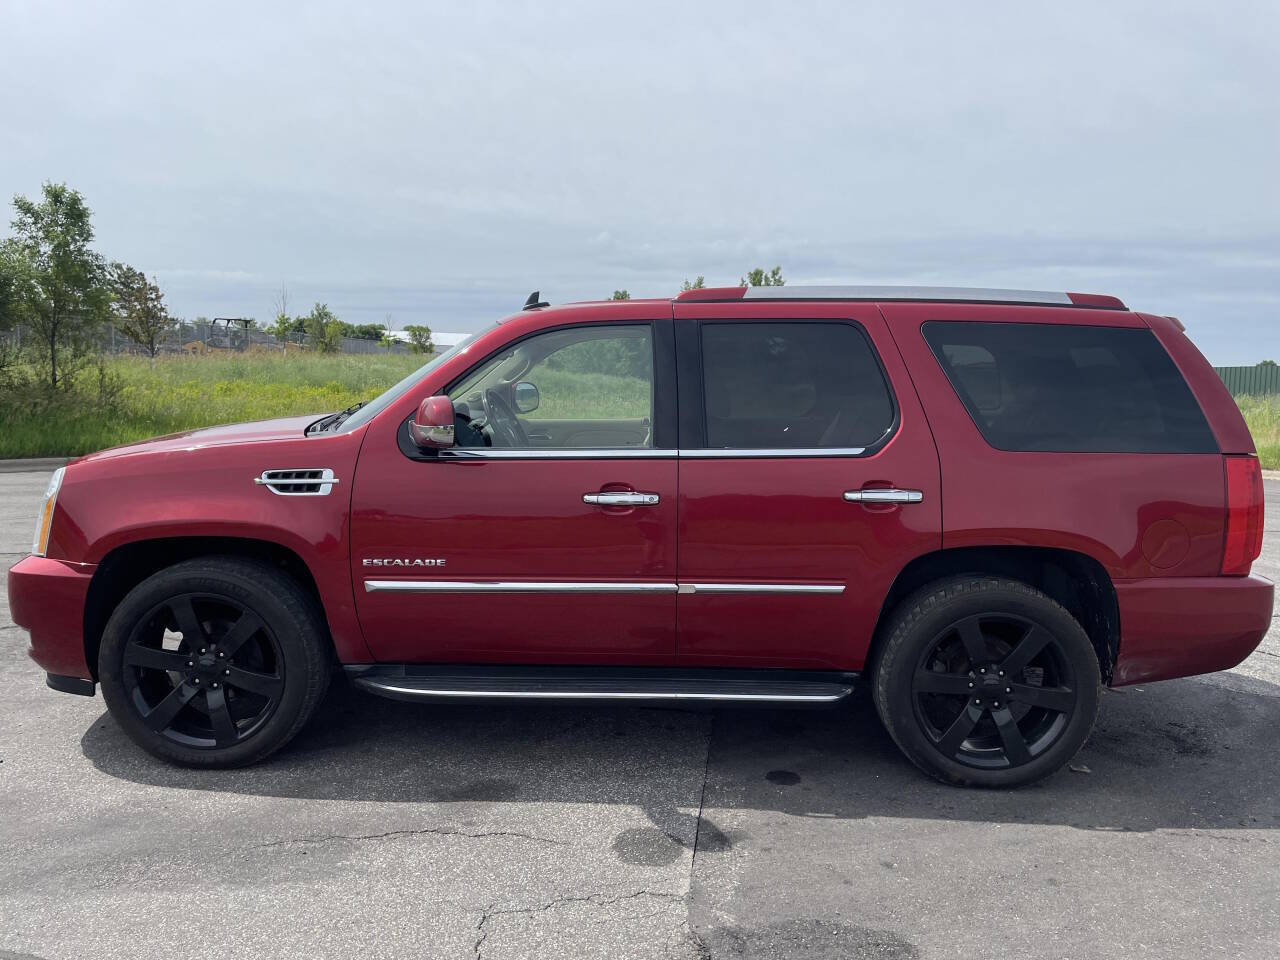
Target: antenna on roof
(535, 301)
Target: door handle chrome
(621, 499)
(883, 495)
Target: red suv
(986, 503)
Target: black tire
(236, 684)
(986, 682)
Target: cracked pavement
(390, 829)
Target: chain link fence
(195, 338)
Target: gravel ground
(391, 829)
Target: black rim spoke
(184, 614)
(975, 644)
(1035, 640)
(1058, 699)
(151, 658)
(162, 714)
(224, 728)
(244, 628)
(960, 728)
(263, 684)
(1015, 745)
(958, 684)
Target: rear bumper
(46, 598)
(1180, 626)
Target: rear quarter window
(1075, 389)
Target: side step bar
(654, 685)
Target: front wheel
(214, 662)
(988, 682)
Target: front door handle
(621, 499)
(883, 495)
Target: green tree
(419, 338)
(620, 295)
(760, 278)
(364, 331)
(59, 285)
(140, 313)
(324, 328)
(699, 284)
(1261, 363)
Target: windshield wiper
(335, 420)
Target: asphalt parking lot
(392, 830)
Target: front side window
(578, 388)
(793, 385)
(1070, 388)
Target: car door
(808, 480)
(548, 534)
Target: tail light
(1244, 515)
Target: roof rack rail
(951, 294)
(958, 294)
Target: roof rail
(957, 294)
(952, 294)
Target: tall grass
(1262, 414)
(185, 392)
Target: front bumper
(47, 598)
(1180, 626)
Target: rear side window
(793, 385)
(1077, 389)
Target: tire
(236, 684)
(972, 667)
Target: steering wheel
(502, 420)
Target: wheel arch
(1073, 579)
(127, 565)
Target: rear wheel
(987, 682)
(214, 662)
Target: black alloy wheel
(203, 671)
(214, 662)
(985, 681)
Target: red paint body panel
(1179, 626)
(46, 598)
(786, 521)
(1098, 504)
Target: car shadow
(1196, 753)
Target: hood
(258, 431)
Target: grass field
(1263, 416)
(182, 393)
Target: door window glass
(790, 385)
(580, 388)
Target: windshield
(375, 406)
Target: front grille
(303, 482)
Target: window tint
(792, 385)
(579, 388)
(1031, 386)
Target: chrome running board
(654, 685)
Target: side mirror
(526, 396)
(432, 425)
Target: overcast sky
(438, 164)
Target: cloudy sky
(436, 162)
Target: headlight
(44, 523)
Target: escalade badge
(401, 562)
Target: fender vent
(312, 482)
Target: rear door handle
(884, 495)
(621, 499)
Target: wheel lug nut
(202, 649)
(226, 673)
(996, 704)
(1008, 689)
(1002, 673)
(196, 681)
(192, 663)
(221, 654)
(978, 702)
(980, 669)
(215, 686)
(970, 682)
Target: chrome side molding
(592, 586)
